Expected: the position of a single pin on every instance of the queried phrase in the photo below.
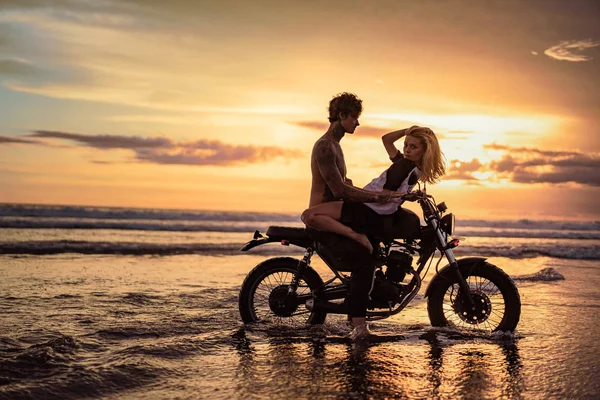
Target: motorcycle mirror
(442, 207)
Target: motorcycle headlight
(447, 224)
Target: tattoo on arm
(325, 158)
(326, 161)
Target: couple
(339, 207)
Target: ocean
(123, 303)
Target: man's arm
(325, 158)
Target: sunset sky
(217, 104)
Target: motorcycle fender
(256, 242)
(465, 264)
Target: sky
(216, 104)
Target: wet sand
(138, 327)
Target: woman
(422, 160)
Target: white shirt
(405, 186)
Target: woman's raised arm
(390, 138)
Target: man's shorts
(361, 218)
(340, 252)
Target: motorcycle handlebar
(414, 196)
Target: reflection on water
(390, 367)
(515, 381)
(115, 327)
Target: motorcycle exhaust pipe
(320, 305)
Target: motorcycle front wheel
(264, 294)
(496, 302)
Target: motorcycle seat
(296, 236)
(286, 232)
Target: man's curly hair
(345, 103)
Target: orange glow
(241, 105)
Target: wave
(83, 247)
(251, 226)
(528, 224)
(110, 213)
(566, 251)
(142, 225)
(533, 250)
(156, 218)
(526, 233)
(544, 275)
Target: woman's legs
(325, 217)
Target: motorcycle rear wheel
(263, 296)
(497, 302)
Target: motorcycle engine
(384, 293)
(398, 264)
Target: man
(329, 183)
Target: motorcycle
(468, 294)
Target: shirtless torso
(320, 191)
(328, 168)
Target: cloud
(362, 130)
(571, 50)
(376, 132)
(314, 125)
(162, 150)
(524, 165)
(583, 176)
(460, 131)
(105, 51)
(16, 67)
(527, 165)
(461, 170)
(212, 152)
(12, 139)
(27, 61)
(107, 141)
(509, 163)
(527, 150)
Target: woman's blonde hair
(432, 163)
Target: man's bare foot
(360, 332)
(361, 329)
(364, 240)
